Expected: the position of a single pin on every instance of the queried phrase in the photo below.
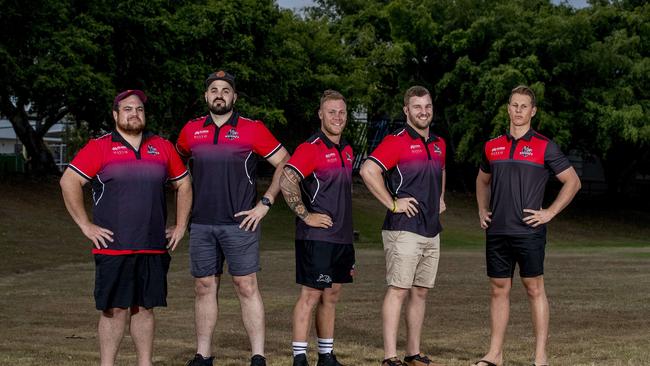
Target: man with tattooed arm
(322, 168)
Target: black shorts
(124, 281)
(321, 263)
(503, 252)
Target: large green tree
(48, 53)
(588, 67)
(68, 58)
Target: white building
(12, 156)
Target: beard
(417, 122)
(334, 131)
(132, 126)
(220, 110)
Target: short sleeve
(303, 160)
(554, 159)
(386, 155)
(88, 161)
(175, 168)
(485, 163)
(264, 143)
(443, 144)
(182, 144)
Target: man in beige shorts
(406, 173)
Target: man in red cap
(128, 169)
(224, 148)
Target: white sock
(298, 348)
(325, 345)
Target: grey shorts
(212, 245)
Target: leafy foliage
(589, 67)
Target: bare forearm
(274, 188)
(74, 203)
(444, 184)
(565, 196)
(375, 183)
(278, 160)
(183, 204)
(289, 183)
(482, 195)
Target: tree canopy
(589, 67)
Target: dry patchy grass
(599, 297)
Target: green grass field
(597, 278)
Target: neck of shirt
(423, 133)
(518, 132)
(222, 119)
(134, 140)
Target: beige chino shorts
(411, 259)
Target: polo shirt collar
(116, 137)
(234, 117)
(527, 136)
(415, 135)
(343, 143)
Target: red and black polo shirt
(413, 168)
(520, 169)
(129, 189)
(223, 165)
(326, 171)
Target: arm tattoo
(289, 184)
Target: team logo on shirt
(324, 278)
(526, 151)
(151, 150)
(436, 149)
(348, 157)
(232, 134)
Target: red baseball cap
(127, 93)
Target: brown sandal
(486, 362)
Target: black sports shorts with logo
(503, 252)
(124, 281)
(319, 264)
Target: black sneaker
(198, 360)
(327, 359)
(392, 362)
(300, 360)
(258, 360)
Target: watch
(266, 202)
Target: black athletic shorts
(123, 281)
(321, 263)
(503, 252)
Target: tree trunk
(40, 161)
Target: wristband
(394, 206)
